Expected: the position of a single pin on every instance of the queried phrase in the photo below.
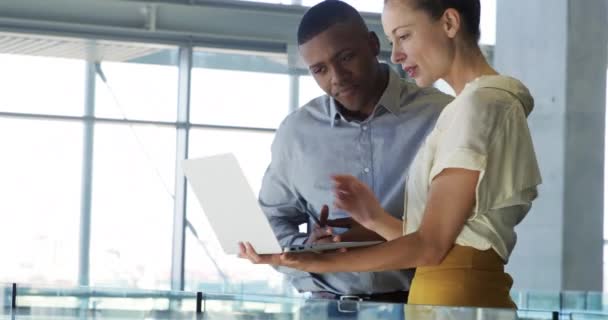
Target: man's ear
(374, 43)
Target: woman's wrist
(377, 221)
(387, 226)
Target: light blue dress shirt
(316, 141)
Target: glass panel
(597, 301)
(537, 300)
(535, 315)
(588, 316)
(106, 300)
(309, 89)
(207, 267)
(605, 258)
(137, 91)
(543, 300)
(42, 85)
(40, 207)
(132, 209)
(228, 89)
(269, 308)
(574, 300)
(5, 296)
(109, 303)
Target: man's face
(342, 59)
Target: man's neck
(352, 115)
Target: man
(369, 124)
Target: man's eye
(347, 57)
(317, 70)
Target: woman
(471, 182)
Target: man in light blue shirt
(369, 124)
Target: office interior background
(101, 99)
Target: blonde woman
(472, 181)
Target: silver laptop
(233, 210)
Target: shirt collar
(390, 99)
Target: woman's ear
(451, 22)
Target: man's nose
(339, 76)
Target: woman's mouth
(411, 71)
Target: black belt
(390, 297)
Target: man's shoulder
(410, 91)
(314, 111)
(430, 98)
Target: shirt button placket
(367, 156)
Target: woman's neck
(468, 64)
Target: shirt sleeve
(285, 209)
(467, 139)
(278, 198)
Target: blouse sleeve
(484, 135)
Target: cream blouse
(484, 129)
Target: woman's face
(423, 46)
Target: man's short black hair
(324, 15)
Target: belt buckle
(349, 304)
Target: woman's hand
(355, 197)
(305, 261)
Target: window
(487, 23)
(134, 174)
(239, 89)
(132, 206)
(309, 89)
(42, 85)
(40, 207)
(137, 91)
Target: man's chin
(350, 104)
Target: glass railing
(110, 303)
(35, 302)
(568, 304)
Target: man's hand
(356, 232)
(246, 251)
(324, 233)
(321, 233)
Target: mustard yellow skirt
(466, 277)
